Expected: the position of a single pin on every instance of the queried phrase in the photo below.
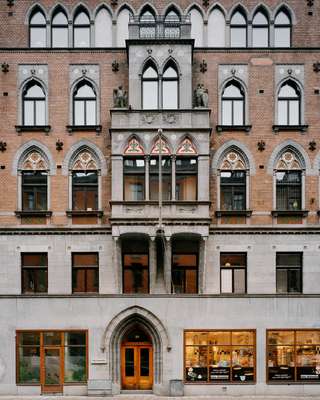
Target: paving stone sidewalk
(154, 397)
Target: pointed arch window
(282, 29)
(103, 28)
(84, 105)
(147, 25)
(260, 30)
(233, 104)
(288, 183)
(289, 104)
(233, 183)
(81, 30)
(186, 172)
(59, 30)
(134, 171)
(34, 105)
(85, 183)
(34, 183)
(238, 30)
(154, 171)
(38, 30)
(172, 25)
(170, 88)
(196, 27)
(150, 88)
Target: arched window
(103, 28)
(150, 83)
(59, 30)
(122, 27)
(84, 183)
(238, 30)
(81, 30)
(186, 171)
(196, 27)
(34, 182)
(233, 182)
(134, 171)
(216, 28)
(33, 105)
(289, 104)
(288, 182)
(170, 88)
(172, 25)
(147, 24)
(84, 104)
(165, 171)
(282, 29)
(37, 29)
(260, 30)
(233, 104)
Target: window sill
(33, 213)
(290, 128)
(84, 128)
(156, 202)
(84, 213)
(227, 213)
(289, 213)
(33, 128)
(232, 128)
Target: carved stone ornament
(34, 162)
(261, 145)
(84, 162)
(288, 161)
(316, 66)
(312, 145)
(170, 118)
(120, 98)
(164, 147)
(3, 146)
(186, 147)
(115, 66)
(148, 118)
(203, 66)
(134, 147)
(201, 96)
(233, 161)
(5, 67)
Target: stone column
(167, 265)
(152, 265)
(117, 264)
(173, 177)
(147, 180)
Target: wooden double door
(137, 366)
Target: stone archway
(119, 326)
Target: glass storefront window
(293, 356)
(220, 356)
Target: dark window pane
(52, 338)
(29, 338)
(129, 362)
(85, 190)
(288, 190)
(75, 338)
(289, 272)
(144, 362)
(134, 179)
(135, 273)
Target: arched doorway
(136, 360)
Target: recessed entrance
(136, 360)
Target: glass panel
(75, 364)
(144, 362)
(60, 19)
(308, 337)
(233, 259)
(40, 113)
(196, 338)
(28, 113)
(281, 337)
(238, 19)
(242, 338)
(288, 91)
(294, 281)
(308, 363)
(150, 72)
(218, 338)
(150, 95)
(172, 16)
(226, 112)
(294, 112)
(29, 364)
(170, 95)
(260, 37)
(134, 188)
(92, 280)
(129, 362)
(283, 112)
(52, 338)
(186, 187)
(219, 363)
(81, 37)
(238, 37)
(281, 363)
(29, 338)
(282, 281)
(232, 91)
(196, 363)
(170, 73)
(85, 259)
(34, 91)
(34, 280)
(34, 259)
(38, 19)
(38, 37)
(238, 112)
(78, 280)
(226, 281)
(239, 284)
(282, 19)
(75, 338)
(78, 112)
(60, 37)
(282, 37)
(148, 17)
(91, 112)
(84, 91)
(243, 364)
(52, 367)
(260, 19)
(81, 19)
(136, 273)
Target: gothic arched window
(81, 30)
(59, 30)
(282, 29)
(150, 88)
(33, 105)
(260, 30)
(238, 30)
(289, 104)
(170, 88)
(233, 104)
(37, 29)
(84, 104)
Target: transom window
(85, 105)
(59, 30)
(38, 30)
(81, 30)
(289, 104)
(233, 104)
(238, 30)
(34, 105)
(282, 29)
(150, 84)
(220, 356)
(260, 30)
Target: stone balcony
(197, 119)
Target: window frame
(81, 26)
(237, 27)
(41, 346)
(286, 189)
(123, 254)
(43, 26)
(282, 26)
(34, 101)
(59, 26)
(294, 346)
(143, 80)
(195, 173)
(232, 100)
(43, 268)
(241, 267)
(85, 268)
(84, 101)
(260, 27)
(221, 382)
(34, 189)
(184, 268)
(85, 185)
(288, 101)
(233, 186)
(290, 267)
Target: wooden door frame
(45, 388)
(137, 346)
